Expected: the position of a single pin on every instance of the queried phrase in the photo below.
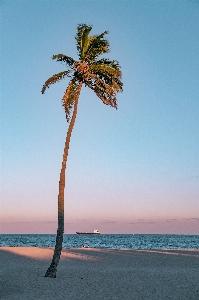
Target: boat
(94, 232)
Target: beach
(88, 273)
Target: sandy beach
(99, 274)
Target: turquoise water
(110, 241)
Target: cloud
(109, 221)
(142, 221)
(191, 219)
(27, 222)
(146, 222)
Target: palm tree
(103, 76)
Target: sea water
(108, 241)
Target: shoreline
(95, 273)
(119, 249)
(95, 248)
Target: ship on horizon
(94, 232)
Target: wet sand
(94, 274)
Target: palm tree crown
(103, 76)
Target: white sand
(94, 274)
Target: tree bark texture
(51, 272)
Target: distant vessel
(94, 232)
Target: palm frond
(104, 91)
(97, 46)
(110, 73)
(105, 97)
(105, 69)
(112, 63)
(55, 78)
(69, 97)
(64, 58)
(82, 39)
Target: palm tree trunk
(51, 272)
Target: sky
(131, 170)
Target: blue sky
(131, 170)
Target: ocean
(108, 241)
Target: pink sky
(169, 226)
